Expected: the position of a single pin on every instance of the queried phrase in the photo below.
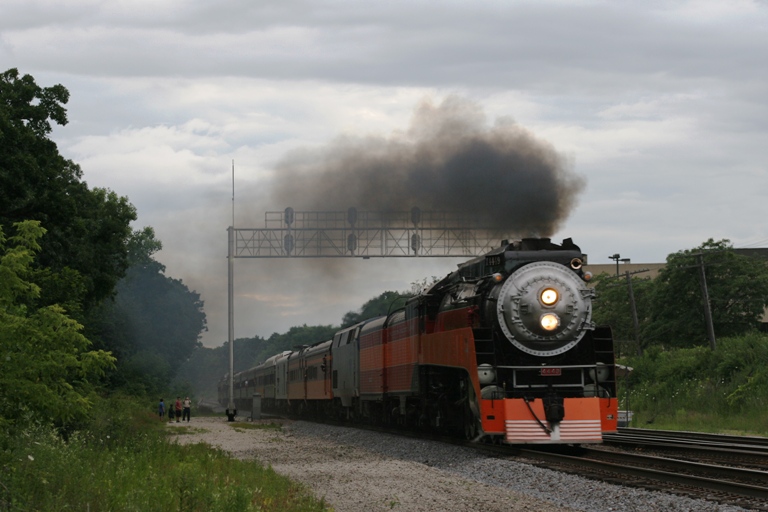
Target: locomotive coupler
(554, 408)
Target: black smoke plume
(448, 160)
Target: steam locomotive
(502, 349)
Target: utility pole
(633, 307)
(707, 307)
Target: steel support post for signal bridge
(231, 314)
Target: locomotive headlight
(549, 321)
(549, 296)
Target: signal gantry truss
(330, 234)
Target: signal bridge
(353, 234)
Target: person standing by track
(177, 407)
(187, 409)
(161, 409)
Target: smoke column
(449, 159)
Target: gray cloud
(553, 48)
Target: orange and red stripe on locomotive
(503, 348)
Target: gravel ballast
(357, 470)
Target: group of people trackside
(181, 410)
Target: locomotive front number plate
(493, 261)
(551, 372)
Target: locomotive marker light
(486, 374)
(600, 373)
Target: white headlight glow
(550, 321)
(549, 296)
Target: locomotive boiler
(502, 349)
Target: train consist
(502, 349)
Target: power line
(754, 244)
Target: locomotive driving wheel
(470, 417)
(471, 430)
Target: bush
(697, 388)
(124, 461)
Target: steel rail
(758, 455)
(731, 488)
(734, 473)
(751, 442)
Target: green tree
(613, 306)
(377, 306)
(47, 368)
(737, 286)
(154, 321)
(83, 254)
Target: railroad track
(746, 488)
(740, 486)
(682, 438)
(740, 451)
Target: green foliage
(124, 461)
(154, 323)
(141, 246)
(697, 388)
(737, 286)
(83, 260)
(84, 249)
(295, 337)
(47, 369)
(613, 305)
(377, 306)
(670, 308)
(142, 373)
(165, 316)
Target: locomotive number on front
(551, 372)
(493, 261)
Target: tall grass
(725, 390)
(125, 462)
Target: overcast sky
(658, 109)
